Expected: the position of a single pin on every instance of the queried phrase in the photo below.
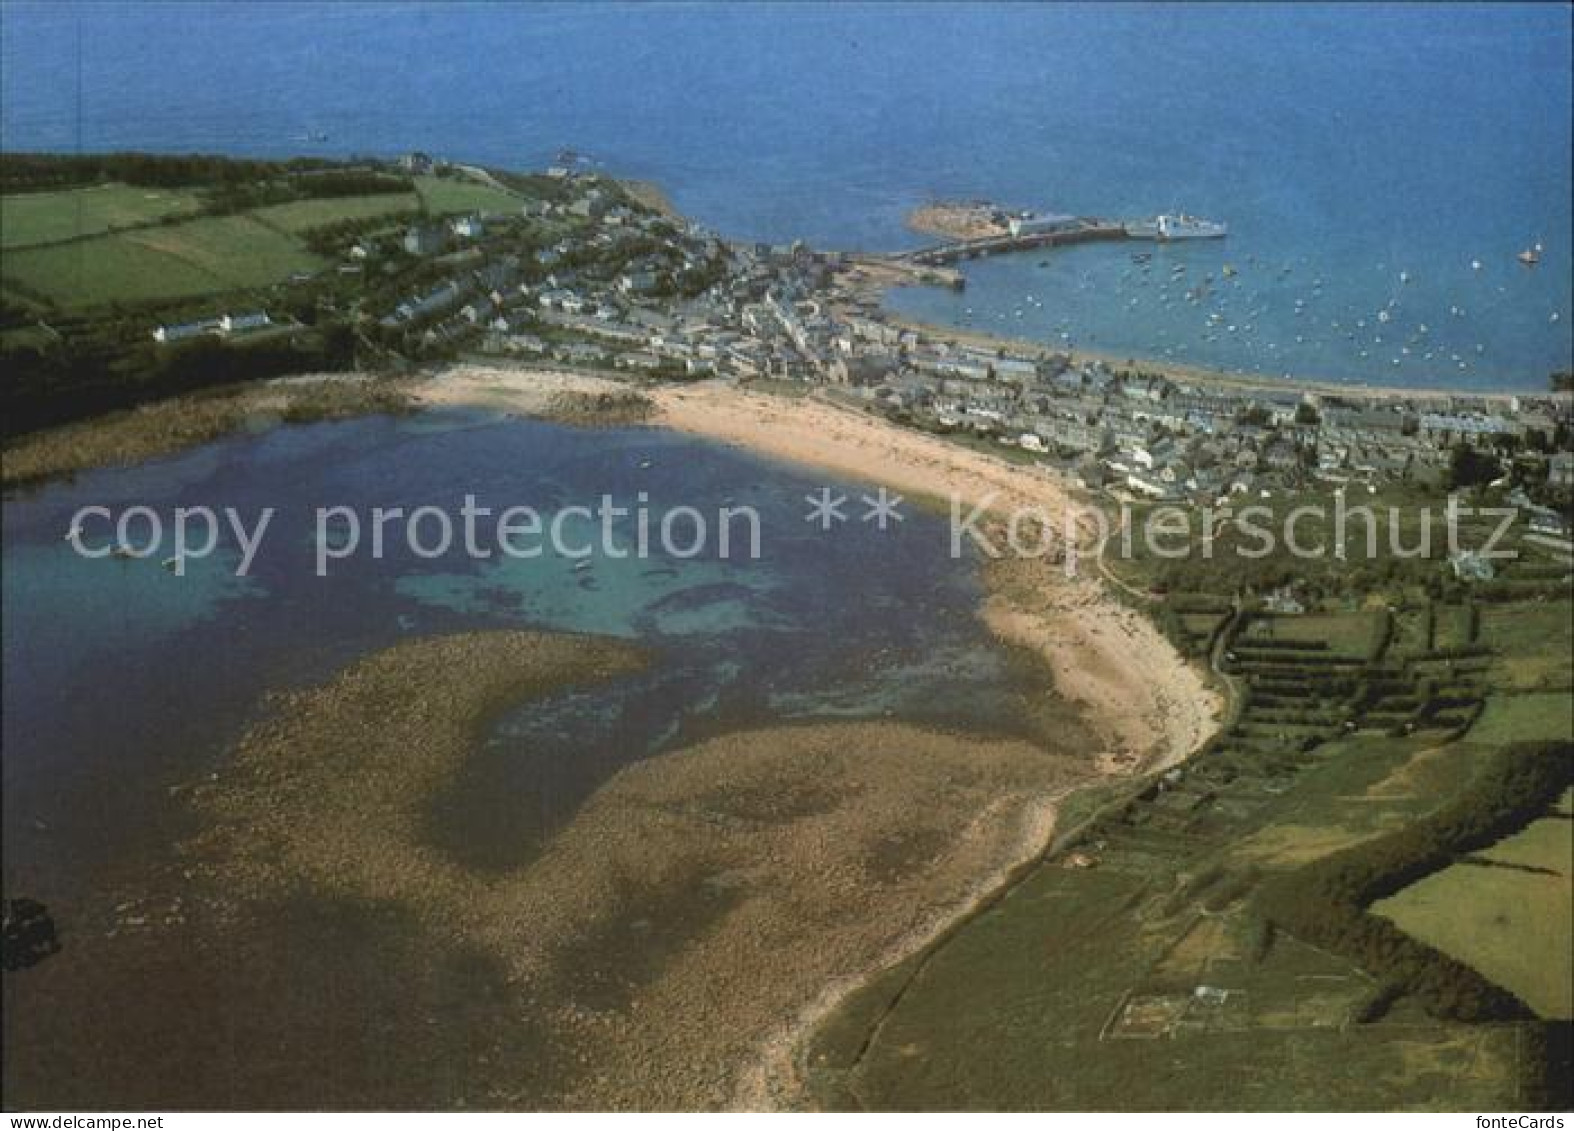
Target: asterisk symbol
(825, 507)
(882, 509)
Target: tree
(1470, 468)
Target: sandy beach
(675, 943)
(1150, 706)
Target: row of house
(222, 326)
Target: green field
(1451, 626)
(1515, 718)
(35, 218)
(1537, 639)
(1346, 634)
(451, 196)
(1512, 919)
(1075, 993)
(303, 215)
(1149, 971)
(204, 256)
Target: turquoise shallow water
(123, 679)
(1348, 143)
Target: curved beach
(677, 941)
(1140, 705)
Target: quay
(1062, 230)
(1085, 230)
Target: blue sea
(1366, 158)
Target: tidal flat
(434, 835)
(657, 953)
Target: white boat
(1179, 226)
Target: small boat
(582, 564)
(1475, 264)
(124, 551)
(1529, 257)
(644, 464)
(170, 564)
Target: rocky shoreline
(958, 220)
(166, 427)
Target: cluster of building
(792, 313)
(584, 275)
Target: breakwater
(1082, 231)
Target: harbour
(1030, 233)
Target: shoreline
(1031, 602)
(1201, 374)
(862, 855)
(173, 425)
(1147, 708)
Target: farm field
(1348, 634)
(1538, 641)
(446, 196)
(1512, 923)
(1140, 971)
(1515, 718)
(188, 258)
(36, 218)
(303, 215)
(204, 256)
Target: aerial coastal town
(589, 276)
(843, 559)
(1269, 749)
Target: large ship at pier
(1180, 226)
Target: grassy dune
(1138, 972)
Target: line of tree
(230, 196)
(336, 236)
(1327, 902)
(27, 172)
